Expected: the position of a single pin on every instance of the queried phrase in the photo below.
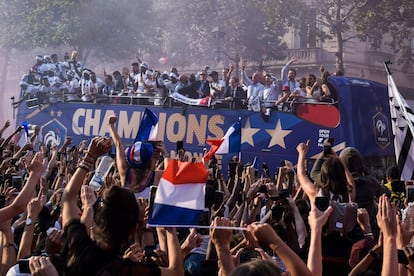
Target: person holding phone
(333, 183)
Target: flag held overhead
(179, 200)
(140, 152)
(148, 128)
(230, 143)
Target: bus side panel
(368, 115)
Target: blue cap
(139, 154)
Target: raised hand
(317, 219)
(112, 120)
(34, 207)
(303, 148)
(42, 266)
(386, 217)
(88, 197)
(38, 164)
(99, 146)
(221, 237)
(54, 241)
(134, 253)
(263, 233)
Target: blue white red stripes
(179, 200)
(230, 143)
(148, 128)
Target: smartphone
(50, 230)
(410, 193)
(204, 221)
(149, 251)
(248, 255)
(322, 202)
(17, 182)
(24, 266)
(218, 198)
(284, 193)
(153, 191)
(327, 150)
(179, 146)
(232, 168)
(327, 146)
(402, 258)
(2, 201)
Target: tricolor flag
(402, 118)
(25, 125)
(148, 128)
(230, 143)
(179, 200)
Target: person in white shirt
(288, 76)
(217, 86)
(255, 90)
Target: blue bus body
(364, 123)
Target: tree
(206, 31)
(108, 28)
(28, 24)
(393, 18)
(335, 18)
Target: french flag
(179, 200)
(148, 128)
(230, 143)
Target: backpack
(343, 218)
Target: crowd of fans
(50, 81)
(53, 223)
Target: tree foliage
(41, 23)
(107, 28)
(188, 31)
(392, 18)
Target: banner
(190, 101)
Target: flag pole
(387, 68)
